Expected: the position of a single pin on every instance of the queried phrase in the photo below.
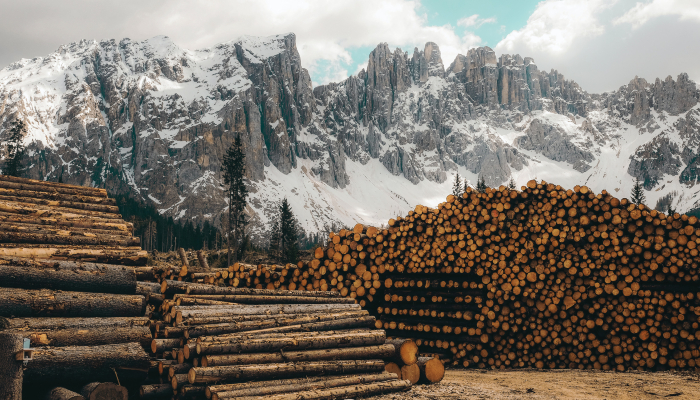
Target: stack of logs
(222, 343)
(408, 366)
(541, 277)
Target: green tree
(14, 149)
(638, 193)
(670, 210)
(457, 186)
(466, 185)
(481, 185)
(233, 169)
(511, 184)
(288, 233)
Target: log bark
(60, 393)
(45, 195)
(144, 288)
(217, 374)
(178, 380)
(183, 312)
(406, 351)
(74, 238)
(201, 257)
(171, 287)
(431, 369)
(230, 319)
(266, 299)
(163, 345)
(410, 373)
(60, 230)
(162, 391)
(299, 385)
(107, 255)
(104, 390)
(11, 374)
(67, 275)
(17, 207)
(368, 338)
(49, 303)
(354, 391)
(84, 364)
(176, 369)
(349, 353)
(393, 368)
(92, 336)
(61, 203)
(36, 185)
(48, 324)
(119, 227)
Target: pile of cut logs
(406, 365)
(541, 277)
(222, 343)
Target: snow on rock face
(153, 119)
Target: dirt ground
(559, 384)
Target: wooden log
(91, 336)
(22, 208)
(431, 369)
(107, 255)
(182, 368)
(104, 390)
(7, 181)
(60, 393)
(217, 374)
(80, 222)
(350, 353)
(393, 368)
(49, 303)
(368, 338)
(298, 385)
(354, 391)
(178, 380)
(183, 257)
(225, 387)
(61, 203)
(201, 257)
(52, 195)
(73, 239)
(231, 319)
(158, 391)
(60, 230)
(67, 275)
(410, 373)
(183, 312)
(266, 299)
(406, 351)
(144, 288)
(171, 287)
(47, 324)
(11, 374)
(163, 345)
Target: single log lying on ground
(349, 353)
(431, 369)
(49, 303)
(92, 336)
(105, 254)
(298, 385)
(35, 324)
(406, 351)
(344, 392)
(88, 364)
(104, 391)
(67, 275)
(11, 376)
(60, 393)
(216, 374)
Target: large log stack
(540, 277)
(222, 343)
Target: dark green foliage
(670, 210)
(466, 185)
(284, 235)
(233, 169)
(14, 149)
(167, 233)
(481, 185)
(511, 184)
(638, 196)
(457, 186)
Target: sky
(600, 44)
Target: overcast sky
(600, 44)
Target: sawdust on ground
(556, 384)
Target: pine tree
(233, 168)
(511, 184)
(275, 237)
(481, 185)
(289, 232)
(14, 149)
(670, 210)
(457, 186)
(466, 185)
(638, 193)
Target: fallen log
(349, 353)
(67, 275)
(107, 255)
(105, 208)
(11, 374)
(216, 374)
(182, 312)
(76, 364)
(368, 338)
(73, 239)
(34, 324)
(60, 393)
(172, 287)
(353, 391)
(59, 230)
(49, 303)
(297, 385)
(46, 186)
(104, 390)
(53, 195)
(89, 336)
(431, 369)
(80, 222)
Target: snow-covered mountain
(154, 119)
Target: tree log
(368, 338)
(431, 369)
(410, 373)
(181, 312)
(104, 390)
(81, 222)
(170, 287)
(406, 351)
(67, 275)
(230, 319)
(36, 185)
(144, 288)
(266, 299)
(163, 345)
(74, 238)
(11, 375)
(60, 230)
(299, 385)
(162, 391)
(216, 374)
(122, 256)
(49, 303)
(52, 195)
(349, 353)
(201, 257)
(353, 391)
(393, 368)
(47, 324)
(59, 393)
(23, 208)
(61, 203)
(92, 336)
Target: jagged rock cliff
(154, 120)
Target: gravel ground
(559, 384)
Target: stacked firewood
(222, 343)
(408, 366)
(541, 277)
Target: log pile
(219, 342)
(541, 277)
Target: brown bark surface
(47, 324)
(406, 351)
(160, 391)
(431, 369)
(11, 374)
(104, 391)
(106, 254)
(297, 343)
(90, 336)
(60, 393)
(349, 353)
(353, 391)
(50, 303)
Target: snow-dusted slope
(153, 119)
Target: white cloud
(641, 13)
(555, 25)
(475, 21)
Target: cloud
(555, 25)
(475, 21)
(641, 13)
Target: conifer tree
(511, 184)
(670, 210)
(233, 169)
(289, 232)
(14, 149)
(457, 186)
(466, 185)
(481, 185)
(638, 193)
